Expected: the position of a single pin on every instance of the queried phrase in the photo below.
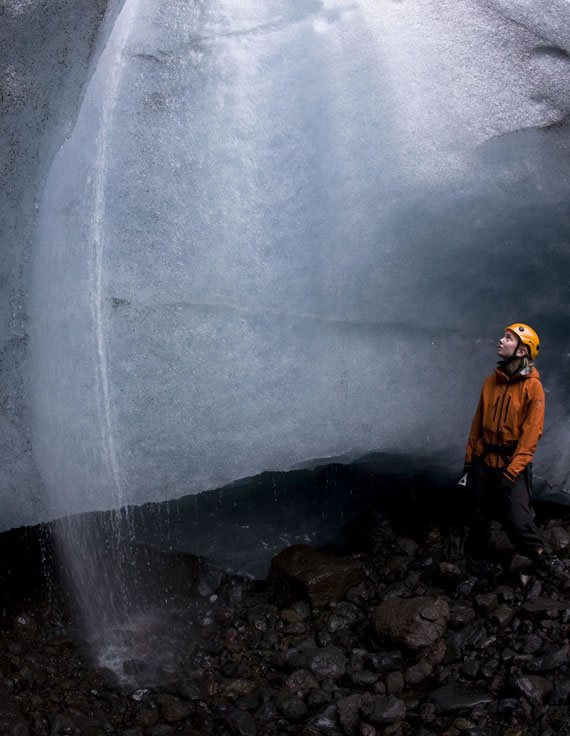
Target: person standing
(504, 435)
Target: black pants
(510, 507)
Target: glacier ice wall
(45, 53)
(283, 230)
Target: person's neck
(512, 366)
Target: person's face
(509, 346)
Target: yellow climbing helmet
(527, 336)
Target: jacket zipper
(500, 415)
(507, 410)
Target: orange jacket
(508, 422)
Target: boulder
(415, 623)
(301, 570)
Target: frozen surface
(45, 51)
(280, 230)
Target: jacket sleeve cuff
(508, 480)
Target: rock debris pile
(377, 642)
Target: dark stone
(552, 660)
(461, 615)
(486, 602)
(300, 571)
(543, 605)
(470, 668)
(503, 615)
(384, 709)
(318, 698)
(266, 712)
(426, 712)
(347, 709)
(325, 721)
(456, 697)
(395, 682)
(534, 688)
(532, 643)
(561, 692)
(344, 616)
(241, 723)
(387, 661)
(363, 678)
(290, 705)
(173, 709)
(301, 682)
(414, 622)
(557, 538)
(418, 672)
(328, 662)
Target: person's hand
(507, 483)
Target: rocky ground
(375, 642)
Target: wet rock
(363, 678)
(552, 660)
(503, 615)
(561, 692)
(544, 605)
(347, 709)
(532, 643)
(557, 538)
(418, 672)
(173, 709)
(460, 615)
(534, 688)
(25, 627)
(318, 698)
(290, 705)
(414, 622)
(325, 721)
(328, 662)
(486, 602)
(387, 661)
(449, 571)
(395, 683)
(396, 566)
(303, 571)
(146, 716)
(291, 616)
(240, 723)
(301, 682)
(470, 668)
(266, 712)
(396, 590)
(456, 697)
(426, 712)
(384, 709)
(435, 654)
(359, 595)
(344, 616)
